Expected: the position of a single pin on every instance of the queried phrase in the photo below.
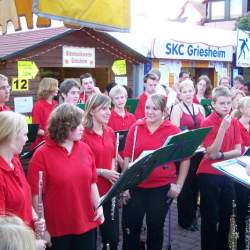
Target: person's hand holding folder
(174, 190)
(110, 175)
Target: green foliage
(244, 23)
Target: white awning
(144, 32)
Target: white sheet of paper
(23, 104)
(235, 168)
(238, 171)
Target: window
(221, 10)
(217, 10)
(235, 8)
(248, 5)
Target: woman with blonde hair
(16, 235)
(237, 95)
(15, 195)
(101, 139)
(120, 119)
(188, 115)
(47, 90)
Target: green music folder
(81, 105)
(207, 105)
(187, 142)
(178, 147)
(131, 105)
(122, 138)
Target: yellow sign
(29, 119)
(27, 69)
(119, 67)
(111, 15)
(20, 84)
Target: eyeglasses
(6, 87)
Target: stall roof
(21, 42)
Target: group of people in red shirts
(80, 163)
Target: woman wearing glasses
(4, 93)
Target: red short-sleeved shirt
(245, 136)
(67, 183)
(118, 123)
(40, 115)
(15, 195)
(232, 137)
(4, 108)
(140, 109)
(103, 148)
(149, 141)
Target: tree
(243, 22)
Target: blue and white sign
(170, 49)
(243, 49)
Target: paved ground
(181, 239)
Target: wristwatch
(222, 156)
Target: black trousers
(152, 202)
(242, 201)
(110, 228)
(217, 193)
(75, 242)
(188, 198)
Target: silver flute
(40, 208)
(113, 202)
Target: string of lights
(108, 48)
(121, 55)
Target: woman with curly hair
(70, 192)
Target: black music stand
(179, 147)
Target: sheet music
(142, 155)
(235, 168)
(238, 171)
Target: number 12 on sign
(20, 84)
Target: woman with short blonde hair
(15, 192)
(15, 235)
(47, 86)
(188, 115)
(47, 90)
